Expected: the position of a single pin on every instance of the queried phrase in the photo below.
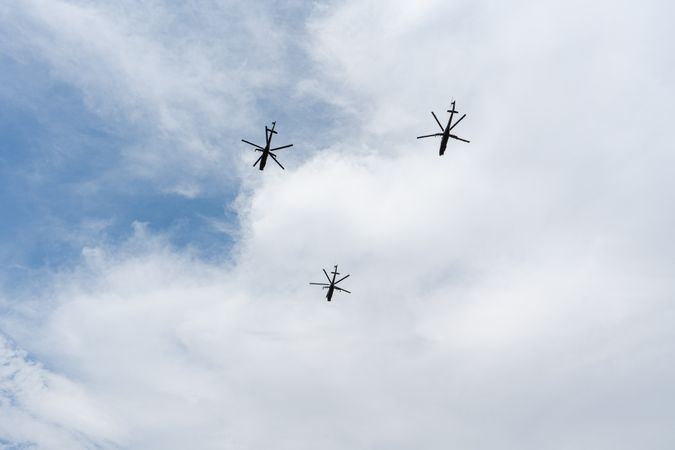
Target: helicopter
(267, 151)
(331, 285)
(445, 135)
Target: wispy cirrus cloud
(179, 80)
(40, 409)
(121, 109)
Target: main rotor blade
(437, 121)
(326, 273)
(279, 148)
(346, 276)
(257, 161)
(429, 135)
(343, 290)
(459, 138)
(275, 160)
(455, 124)
(320, 284)
(251, 143)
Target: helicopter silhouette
(331, 285)
(445, 135)
(266, 150)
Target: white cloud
(515, 293)
(38, 407)
(179, 79)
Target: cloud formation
(515, 293)
(178, 79)
(41, 409)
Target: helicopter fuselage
(268, 144)
(444, 139)
(446, 131)
(331, 286)
(263, 159)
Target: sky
(515, 293)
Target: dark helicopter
(267, 151)
(445, 135)
(331, 285)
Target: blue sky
(67, 185)
(515, 293)
(65, 188)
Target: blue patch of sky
(9, 445)
(63, 186)
(57, 194)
